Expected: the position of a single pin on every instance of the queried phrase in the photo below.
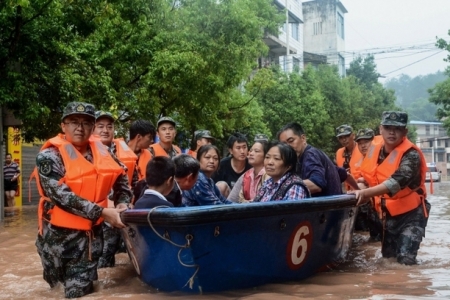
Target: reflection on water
(365, 275)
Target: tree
(440, 93)
(136, 58)
(365, 70)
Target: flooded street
(365, 276)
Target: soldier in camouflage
(112, 238)
(404, 217)
(70, 256)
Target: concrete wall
(320, 33)
(295, 17)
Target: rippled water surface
(366, 275)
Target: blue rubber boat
(215, 248)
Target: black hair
(236, 137)
(264, 144)
(142, 127)
(158, 170)
(205, 148)
(287, 153)
(296, 128)
(185, 165)
(8, 154)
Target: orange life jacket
(192, 153)
(354, 159)
(159, 150)
(126, 156)
(356, 168)
(90, 181)
(141, 166)
(374, 174)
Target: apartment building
(324, 30)
(286, 49)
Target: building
(434, 142)
(286, 49)
(324, 30)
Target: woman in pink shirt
(249, 183)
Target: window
(317, 28)
(439, 143)
(294, 31)
(296, 65)
(448, 157)
(440, 157)
(427, 129)
(340, 25)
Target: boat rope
(188, 237)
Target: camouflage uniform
(70, 256)
(403, 233)
(112, 237)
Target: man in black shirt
(233, 166)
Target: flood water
(366, 275)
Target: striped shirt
(11, 170)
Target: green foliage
(320, 100)
(136, 58)
(440, 93)
(412, 95)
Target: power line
(413, 63)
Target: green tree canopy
(136, 58)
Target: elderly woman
(284, 184)
(249, 183)
(205, 192)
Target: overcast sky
(393, 25)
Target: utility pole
(287, 36)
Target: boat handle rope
(189, 238)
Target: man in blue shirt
(314, 167)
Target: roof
(424, 123)
(341, 6)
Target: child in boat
(160, 173)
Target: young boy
(159, 175)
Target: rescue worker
(395, 173)
(104, 129)
(166, 130)
(367, 218)
(201, 137)
(74, 201)
(348, 155)
(142, 134)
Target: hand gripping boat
(221, 247)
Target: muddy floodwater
(366, 275)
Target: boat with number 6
(215, 248)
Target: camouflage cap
(394, 118)
(343, 130)
(261, 138)
(79, 108)
(165, 120)
(103, 114)
(365, 133)
(200, 134)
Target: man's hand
(360, 196)
(112, 216)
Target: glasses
(83, 124)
